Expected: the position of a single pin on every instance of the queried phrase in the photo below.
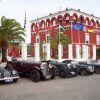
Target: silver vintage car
(8, 75)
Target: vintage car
(82, 69)
(36, 70)
(63, 70)
(93, 63)
(7, 75)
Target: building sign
(77, 26)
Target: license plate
(8, 80)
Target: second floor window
(37, 39)
(92, 23)
(34, 27)
(53, 22)
(42, 25)
(48, 38)
(67, 19)
(98, 39)
(87, 22)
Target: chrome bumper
(9, 78)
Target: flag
(61, 28)
(90, 29)
(77, 26)
(25, 21)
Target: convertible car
(8, 75)
(36, 70)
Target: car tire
(97, 70)
(83, 72)
(15, 80)
(63, 73)
(35, 75)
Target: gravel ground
(76, 88)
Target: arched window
(81, 19)
(60, 21)
(92, 22)
(34, 27)
(47, 38)
(74, 18)
(47, 23)
(53, 22)
(67, 19)
(87, 22)
(97, 23)
(37, 39)
(42, 25)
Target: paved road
(77, 88)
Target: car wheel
(63, 73)
(83, 72)
(35, 75)
(97, 70)
(15, 80)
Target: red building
(81, 29)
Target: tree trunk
(4, 53)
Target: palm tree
(10, 32)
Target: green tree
(59, 38)
(56, 40)
(98, 52)
(10, 32)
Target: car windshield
(74, 62)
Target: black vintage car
(7, 75)
(82, 69)
(93, 63)
(36, 70)
(63, 70)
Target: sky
(16, 9)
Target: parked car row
(46, 69)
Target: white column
(70, 53)
(59, 52)
(77, 51)
(24, 51)
(37, 52)
(85, 51)
(94, 52)
(47, 51)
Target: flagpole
(71, 33)
(59, 34)
(78, 36)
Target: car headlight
(74, 66)
(90, 67)
(43, 65)
(13, 72)
(50, 66)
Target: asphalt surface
(76, 88)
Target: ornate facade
(82, 29)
